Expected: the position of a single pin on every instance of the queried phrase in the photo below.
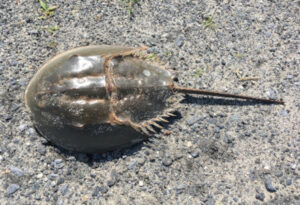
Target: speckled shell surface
(98, 98)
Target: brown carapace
(100, 98)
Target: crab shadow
(95, 159)
(189, 99)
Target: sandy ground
(216, 151)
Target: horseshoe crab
(99, 98)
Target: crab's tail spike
(213, 93)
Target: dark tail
(213, 93)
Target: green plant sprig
(209, 23)
(47, 11)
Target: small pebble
(180, 41)
(41, 149)
(223, 62)
(271, 94)
(180, 189)
(34, 32)
(152, 159)
(31, 131)
(72, 158)
(234, 117)
(132, 165)
(189, 143)
(152, 41)
(96, 191)
(192, 120)
(289, 182)
(64, 189)
(283, 113)
(22, 127)
(268, 184)
(16, 171)
(8, 118)
(60, 180)
(69, 171)
(217, 130)
(210, 201)
(167, 161)
(58, 161)
(213, 121)
(12, 188)
(58, 164)
(268, 34)
(111, 182)
(260, 196)
(103, 189)
(178, 156)
(266, 169)
(141, 161)
(53, 176)
(195, 154)
(229, 138)
(39, 176)
(141, 183)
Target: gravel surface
(216, 151)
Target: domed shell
(99, 98)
